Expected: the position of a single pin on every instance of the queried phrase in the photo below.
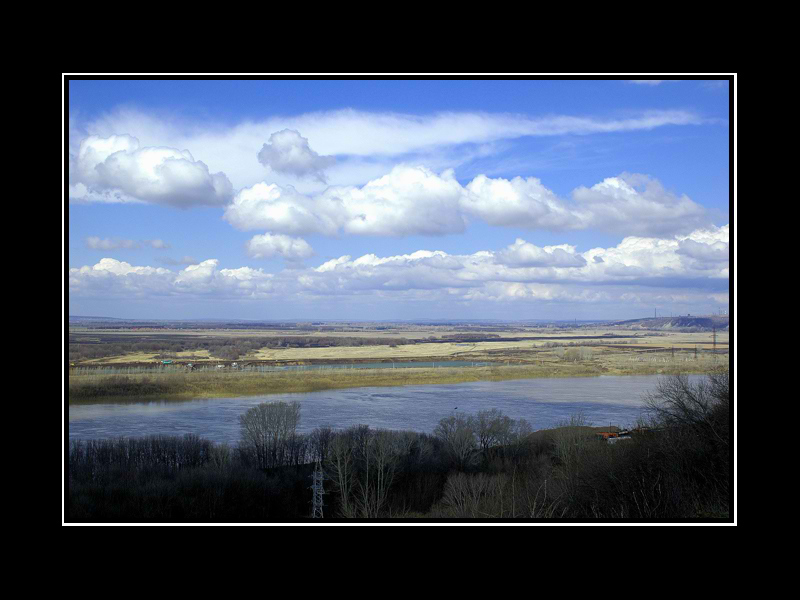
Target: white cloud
(116, 267)
(269, 245)
(662, 258)
(520, 203)
(638, 269)
(413, 200)
(381, 133)
(282, 209)
(373, 141)
(639, 204)
(197, 276)
(706, 249)
(525, 254)
(288, 152)
(407, 201)
(117, 169)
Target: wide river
(543, 402)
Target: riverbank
(177, 386)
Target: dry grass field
(515, 353)
(520, 346)
(530, 345)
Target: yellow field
(407, 352)
(147, 357)
(550, 345)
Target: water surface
(542, 402)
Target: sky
(397, 200)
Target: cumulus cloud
(706, 249)
(413, 200)
(407, 201)
(715, 252)
(117, 169)
(636, 203)
(663, 261)
(288, 152)
(520, 203)
(269, 245)
(638, 267)
(525, 254)
(282, 209)
(110, 278)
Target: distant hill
(79, 319)
(680, 323)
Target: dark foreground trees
(676, 466)
(472, 466)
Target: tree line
(232, 348)
(484, 465)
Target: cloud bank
(687, 268)
(413, 200)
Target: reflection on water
(543, 402)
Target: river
(544, 403)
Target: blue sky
(397, 199)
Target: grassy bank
(102, 388)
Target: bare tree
(570, 441)
(380, 455)
(340, 465)
(320, 440)
(458, 434)
(476, 496)
(703, 405)
(362, 464)
(269, 433)
(492, 427)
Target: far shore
(181, 386)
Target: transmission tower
(714, 329)
(317, 490)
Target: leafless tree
(492, 427)
(320, 440)
(457, 432)
(269, 432)
(571, 439)
(380, 454)
(476, 496)
(363, 464)
(340, 465)
(703, 406)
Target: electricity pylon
(317, 490)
